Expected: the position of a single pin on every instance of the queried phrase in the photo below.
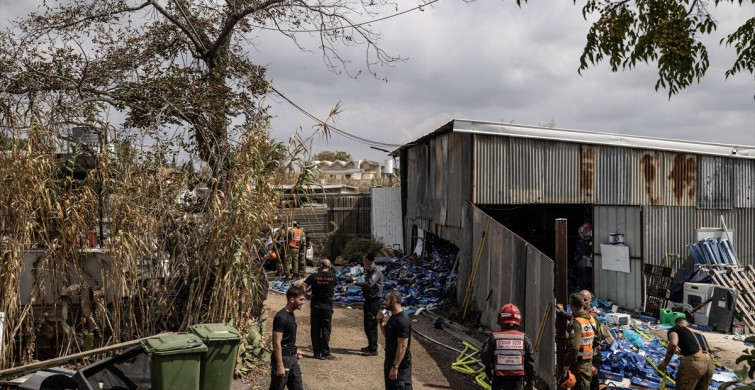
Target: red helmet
(509, 314)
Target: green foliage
(254, 349)
(744, 373)
(327, 155)
(358, 247)
(665, 32)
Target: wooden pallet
(743, 280)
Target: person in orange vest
(579, 353)
(597, 354)
(507, 354)
(296, 250)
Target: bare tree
(181, 63)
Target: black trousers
(291, 380)
(507, 383)
(403, 378)
(320, 330)
(371, 307)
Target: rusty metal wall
(386, 216)
(510, 170)
(516, 273)
(671, 229)
(624, 289)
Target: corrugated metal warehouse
(656, 192)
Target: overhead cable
(333, 128)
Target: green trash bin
(174, 361)
(218, 362)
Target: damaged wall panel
(714, 184)
(516, 273)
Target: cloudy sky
(491, 60)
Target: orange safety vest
(509, 353)
(296, 236)
(587, 330)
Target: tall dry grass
(165, 263)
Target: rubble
(425, 282)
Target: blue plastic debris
(424, 282)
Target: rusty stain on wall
(649, 164)
(587, 171)
(683, 176)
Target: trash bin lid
(173, 344)
(215, 332)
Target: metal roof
(587, 137)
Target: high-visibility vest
(587, 328)
(296, 236)
(509, 353)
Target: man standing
(696, 366)
(578, 357)
(323, 283)
(507, 354)
(296, 249)
(397, 366)
(597, 354)
(285, 370)
(372, 289)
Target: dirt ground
(430, 362)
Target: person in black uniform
(397, 366)
(323, 283)
(696, 366)
(372, 289)
(285, 370)
(507, 354)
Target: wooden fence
(349, 217)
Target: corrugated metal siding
(614, 182)
(524, 166)
(744, 190)
(563, 187)
(681, 179)
(588, 174)
(714, 184)
(671, 229)
(512, 271)
(455, 180)
(412, 175)
(386, 215)
(646, 171)
(624, 289)
(441, 179)
(510, 170)
(490, 154)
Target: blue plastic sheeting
(424, 282)
(713, 251)
(625, 359)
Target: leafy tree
(667, 32)
(169, 63)
(327, 155)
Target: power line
(344, 133)
(419, 7)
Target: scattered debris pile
(631, 359)
(426, 281)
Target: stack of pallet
(742, 279)
(718, 255)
